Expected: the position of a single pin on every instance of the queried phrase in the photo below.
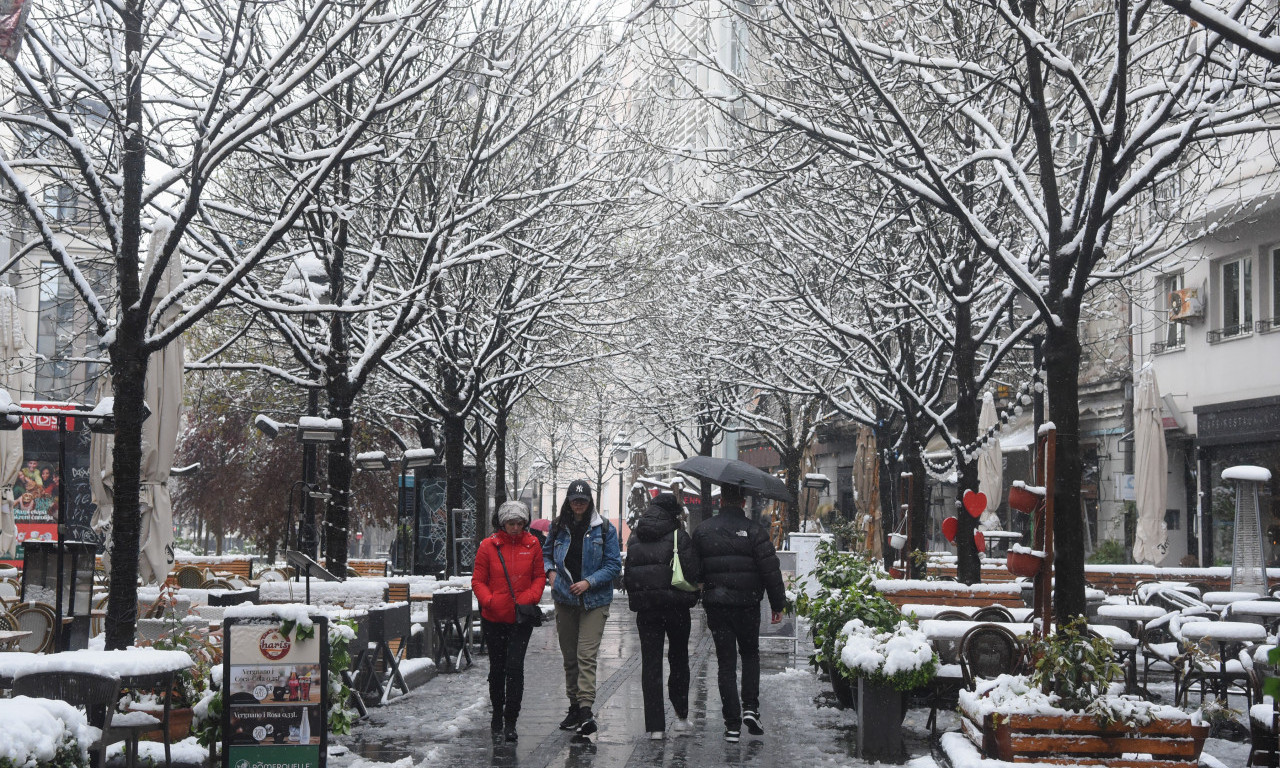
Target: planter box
(880, 713)
(1075, 739)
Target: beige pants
(579, 631)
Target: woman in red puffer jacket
(506, 639)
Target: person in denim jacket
(582, 558)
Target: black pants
(655, 627)
(736, 631)
(507, 644)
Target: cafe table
(1224, 634)
(136, 668)
(1126, 647)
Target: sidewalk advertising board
(34, 493)
(275, 695)
(786, 629)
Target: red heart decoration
(980, 541)
(949, 528)
(975, 503)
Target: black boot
(571, 720)
(495, 724)
(509, 732)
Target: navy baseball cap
(579, 489)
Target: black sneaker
(752, 721)
(573, 719)
(509, 733)
(588, 724)
(732, 735)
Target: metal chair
(994, 613)
(951, 615)
(190, 577)
(1264, 723)
(98, 696)
(987, 651)
(38, 619)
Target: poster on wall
(36, 491)
(276, 696)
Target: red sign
(50, 422)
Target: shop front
(1228, 435)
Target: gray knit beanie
(513, 510)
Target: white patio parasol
(160, 430)
(1150, 468)
(12, 344)
(990, 466)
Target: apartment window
(54, 333)
(1271, 323)
(1174, 334)
(59, 202)
(1236, 279)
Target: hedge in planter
(887, 664)
(42, 733)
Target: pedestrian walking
(507, 573)
(661, 608)
(582, 559)
(739, 566)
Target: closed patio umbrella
(11, 346)
(160, 430)
(1150, 467)
(990, 466)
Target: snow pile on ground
(35, 729)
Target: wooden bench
(241, 568)
(371, 567)
(949, 593)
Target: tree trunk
(455, 435)
(500, 473)
(918, 501)
(337, 515)
(1062, 366)
(483, 522)
(792, 463)
(128, 359)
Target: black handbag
(525, 614)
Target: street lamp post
(312, 431)
(622, 458)
(412, 459)
(811, 481)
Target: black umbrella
(754, 482)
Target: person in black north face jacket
(662, 611)
(739, 567)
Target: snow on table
(131, 662)
(1119, 639)
(1254, 608)
(945, 636)
(1218, 599)
(35, 728)
(1131, 612)
(1224, 631)
(889, 586)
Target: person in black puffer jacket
(662, 611)
(739, 566)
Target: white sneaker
(655, 735)
(682, 725)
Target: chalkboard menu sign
(275, 695)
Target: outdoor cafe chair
(1216, 666)
(952, 615)
(10, 589)
(98, 695)
(994, 613)
(190, 577)
(38, 619)
(988, 651)
(1264, 721)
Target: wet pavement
(446, 721)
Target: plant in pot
(189, 685)
(887, 662)
(1071, 705)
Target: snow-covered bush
(844, 592)
(41, 733)
(1074, 665)
(900, 657)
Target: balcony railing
(1229, 332)
(1268, 325)
(1160, 347)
